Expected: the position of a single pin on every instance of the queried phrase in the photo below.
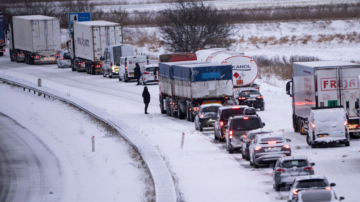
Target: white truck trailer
(89, 40)
(245, 69)
(324, 84)
(34, 39)
(184, 86)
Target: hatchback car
(206, 116)
(222, 117)
(250, 97)
(149, 74)
(317, 195)
(64, 59)
(308, 182)
(250, 136)
(265, 149)
(288, 168)
(236, 130)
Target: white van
(327, 125)
(111, 59)
(127, 66)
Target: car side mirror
(341, 198)
(101, 58)
(288, 140)
(312, 164)
(263, 124)
(332, 184)
(117, 64)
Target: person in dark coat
(137, 73)
(146, 96)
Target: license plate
(272, 149)
(251, 99)
(116, 69)
(131, 74)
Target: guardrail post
(182, 140)
(93, 143)
(39, 82)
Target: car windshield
(249, 92)
(294, 163)
(246, 124)
(312, 183)
(316, 197)
(209, 109)
(232, 112)
(265, 140)
(151, 69)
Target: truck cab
(127, 66)
(111, 59)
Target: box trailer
(245, 69)
(2, 35)
(89, 40)
(184, 86)
(324, 84)
(34, 39)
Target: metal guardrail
(164, 185)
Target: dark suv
(249, 97)
(237, 128)
(223, 114)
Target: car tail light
(272, 142)
(245, 137)
(62, 58)
(242, 98)
(202, 116)
(110, 64)
(328, 188)
(246, 118)
(280, 170)
(287, 146)
(313, 125)
(37, 56)
(295, 191)
(125, 67)
(259, 97)
(345, 123)
(230, 134)
(221, 124)
(257, 148)
(308, 168)
(146, 73)
(84, 62)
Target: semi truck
(2, 35)
(34, 39)
(88, 42)
(184, 86)
(324, 84)
(245, 69)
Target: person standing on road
(146, 96)
(137, 73)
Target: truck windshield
(245, 124)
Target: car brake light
(230, 134)
(328, 188)
(272, 142)
(295, 191)
(84, 62)
(246, 118)
(308, 168)
(313, 125)
(221, 124)
(242, 98)
(110, 64)
(280, 170)
(235, 107)
(62, 58)
(146, 73)
(345, 123)
(287, 146)
(257, 148)
(202, 116)
(259, 97)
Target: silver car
(322, 195)
(288, 168)
(64, 59)
(149, 74)
(309, 182)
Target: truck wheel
(125, 78)
(301, 128)
(187, 112)
(162, 110)
(11, 56)
(92, 70)
(181, 115)
(295, 124)
(110, 75)
(347, 144)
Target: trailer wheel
(162, 110)
(187, 112)
(308, 140)
(181, 115)
(295, 124)
(11, 56)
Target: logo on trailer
(242, 67)
(331, 84)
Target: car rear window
(294, 163)
(210, 109)
(67, 56)
(226, 113)
(249, 92)
(246, 124)
(151, 69)
(271, 139)
(316, 197)
(312, 183)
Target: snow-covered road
(203, 170)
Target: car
(250, 136)
(308, 182)
(64, 59)
(250, 97)
(327, 125)
(236, 129)
(289, 167)
(149, 74)
(222, 117)
(265, 149)
(206, 116)
(322, 195)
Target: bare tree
(192, 25)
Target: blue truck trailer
(184, 86)
(2, 35)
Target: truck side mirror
(288, 88)
(312, 164)
(332, 184)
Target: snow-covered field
(203, 170)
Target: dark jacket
(137, 72)
(146, 96)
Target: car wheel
(277, 187)
(308, 140)
(201, 128)
(104, 75)
(347, 144)
(251, 163)
(262, 108)
(242, 154)
(230, 149)
(215, 137)
(255, 165)
(313, 145)
(110, 76)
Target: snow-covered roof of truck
(35, 17)
(326, 64)
(97, 23)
